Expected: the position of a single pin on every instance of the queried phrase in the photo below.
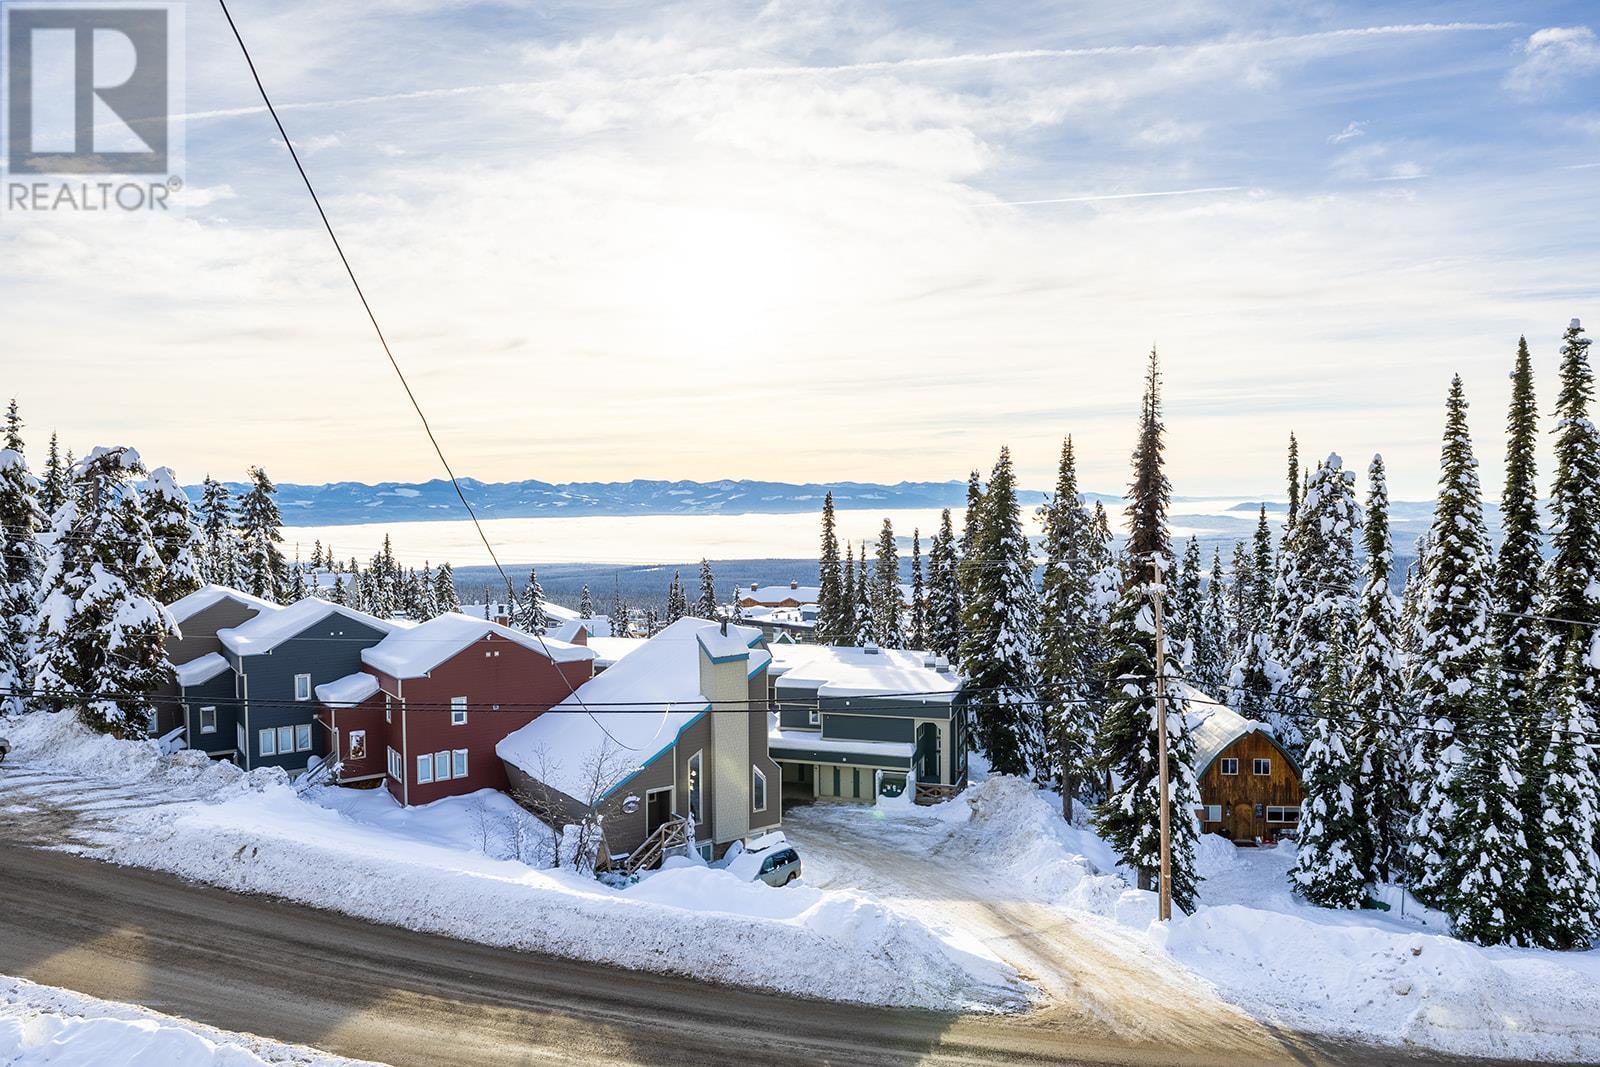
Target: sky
(823, 241)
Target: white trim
(758, 775)
(425, 765)
(212, 708)
(310, 736)
(1224, 768)
(351, 744)
(458, 707)
(298, 679)
(263, 738)
(458, 763)
(1255, 767)
(695, 767)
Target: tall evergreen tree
(1184, 591)
(53, 485)
(944, 592)
(969, 562)
(1488, 863)
(585, 603)
(1066, 661)
(621, 623)
(866, 625)
(101, 636)
(13, 432)
(1212, 648)
(677, 600)
(1453, 649)
(847, 599)
(831, 606)
(1129, 819)
(20, 555)
(217, 528)
(529, 613)
(261, 563)
(297, 579)
(917, 635)
(1376, 691)
(1256, 677)
(999, 625)
(1567, 873)
(1240, 604)
(444, 589)
(1332, 835)
(1516, 577)
(1294, 484)
(178, 539)
(887, 602)
(705, 606)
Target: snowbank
(43, 1025)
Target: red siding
(491, 671)
(367, 716)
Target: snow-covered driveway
(1094, 976)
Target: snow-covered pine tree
(101, 638)
(866, 625)
(178, 539)
(528, 611)
(53, 484)
(1066, 662)
(1213, 651)
(297, 578)
(1376, 690)
(261, 570)
(677, 599)
(944, 592)
(831, 605)
(847, 598)
(1129, 818)
(1453, 650)
(221, 557)
(20, 555)
(337, 594)
(917, 635)
(586, 603)
(1332, 837)
(1001, 613)
(887, 603)
(444, 589)
(1256, 676)
(1566, 876)
(1185, 585)
(427, 605)
(705, 607)
(621, 625)
(1516, 577)
(13, 432)
(1294, 484)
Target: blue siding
(218, 691)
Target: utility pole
(1156, 593)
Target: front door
(1243, 826)
(658, 809)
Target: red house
(431, 701)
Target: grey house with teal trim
(194, 650)
(851, 724)
(277, 661)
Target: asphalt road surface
(318, 978)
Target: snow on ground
(44, 1025)
(451, 868)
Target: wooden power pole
(1157, 592)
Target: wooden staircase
(652, 850)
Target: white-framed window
(208, 720)
(1288, 814)
(1230, 766)
(302, 737)
(458, 711)
(424, 769)
(267, 742)
(816, 717)
(1213, 813)
(758, 789)
(388, 712)
(697, 788)
(302, 687)
(397, 769)
(358, 744)
(1262, 768)
(441, 766)
(285, 740)
(458, 763)
(239, 740)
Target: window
(458, 763)
(358, 744)
(1213, 813)
(268, 742)
(239, 739)
(1230, 766)
(458, 711)
(758, 789)
(441, 766)
(1261, 767)
(1290, 815)
(285, 740)
(816, 717)
(696, 788)
(388, 713)
(302, 737)
(302, 687)
(424, 769)
(396, 768)
(208, 720)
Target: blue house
(276, 661)
(199, 699)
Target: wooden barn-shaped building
(1249, 784)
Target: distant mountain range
(352, 502)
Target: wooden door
(1243, 823)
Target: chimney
(754, 586)
(794, 583)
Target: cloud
(1169, 131)
(1349, 133)
(1553, 56)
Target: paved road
(323, 979)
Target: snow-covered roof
(843, 671)
(270, 629)
(201, 669)
(608, 650)
(348, 691)
(636, 709)
(209, 595)
(777, 594)
(813, 741)
(736, 642)
(414, 652)
(1214, 726)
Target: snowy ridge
(413, 652)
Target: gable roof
(413, 652)
(1215, 726)
(844, 671)
(270, 629)
(208, 595)
(637, 709)
(200, 669)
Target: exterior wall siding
(1239, 794)
(199, 638)
(217, 692)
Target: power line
(377, 329)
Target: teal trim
(647, 764)
(799, 754)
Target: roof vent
(942, 662)
(794, 583)
(870, 648)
